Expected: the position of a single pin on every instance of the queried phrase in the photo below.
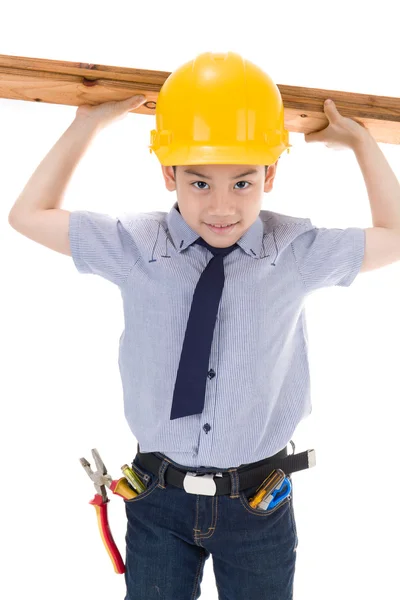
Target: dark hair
(174, 168)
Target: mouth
(221, 230)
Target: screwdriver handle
(122, 488)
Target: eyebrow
(191, 172)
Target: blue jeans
(171, 533)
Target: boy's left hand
(341, 132)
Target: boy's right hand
(107, 112)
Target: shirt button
(211, 373)
(207, 427)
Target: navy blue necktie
(190, 385)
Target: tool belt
(212, 482)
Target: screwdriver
(133, 479)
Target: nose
(222, 207)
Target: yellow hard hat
(219, 109)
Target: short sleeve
(327, 257)
(100, 245)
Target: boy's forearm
(382, 184)
(45, 189)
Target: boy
(222, 436)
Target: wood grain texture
(74, 84)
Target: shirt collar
(183, 235)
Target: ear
(168, 174)
(270, 176)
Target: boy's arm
(36, 213)
(382, 241)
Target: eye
(243, 182)
(242, 188)
(199, 182)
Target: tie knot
(213, 249)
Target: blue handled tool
(276, 496)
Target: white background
(60, 388)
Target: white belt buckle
(195, 483)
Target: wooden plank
(73, 84)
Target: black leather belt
(249, 475)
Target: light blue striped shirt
(258, 384)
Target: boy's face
(220, 194)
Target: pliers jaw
(100, 477)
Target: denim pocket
(149, 479)
(246, 494)
(292, 515)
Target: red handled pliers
(101, 479)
